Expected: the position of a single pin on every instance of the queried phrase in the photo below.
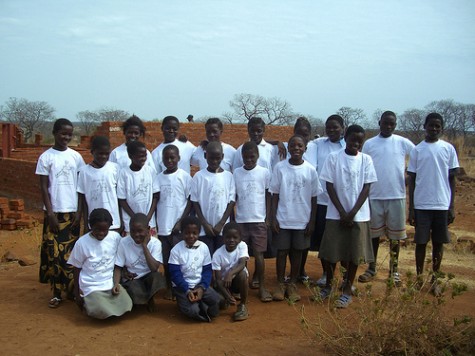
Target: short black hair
(387, 113)
(170, 118)
(171, 148)
(139, 218)
(354, 129)
(255, 120)
(336, 118)
(214, 120)
(134, 146)
(190, 220)
(302, 121)
(100, 141)
(100, 215)
(293, 137)
(434, 116)
(214, 145)
(134, 121)
(231, 226)
(250, 146)
(58, 124)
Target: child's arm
(177, 277)
(125, 207)
(219, 226)
(336, 201)
(77, 292)
(83, 211)
(452, 174)
(280, 146)
(52, 220)
(153, 207)
(268, 208)
(360, 201)
(238, 267)
(274, 222)
(186, 212)
(206, 225)
(117, 275)
(313, 216)
(152, 263)
(220, 285)
(412, 186)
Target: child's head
(255, 129)
(63, 133)
(387, 123)
(100, 220)
(231, 236)
(137, 153)
(139, 229)
(354, 138)
(214, 129)
(434, 125)
(133, 128)
(334, 127)
(303, 128)
(100, 150)
(170, 128)
(214, 155)
(250, 155)
(190, 228)
(171, 157)
(297, 147)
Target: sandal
(254, 285)
(322, 295)
(54, 302)
(265, 296)
(366, 277)
(343, 302)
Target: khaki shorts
(388, 217)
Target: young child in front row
(58, 170)
(348, 175)
(137, 187)
(93, 259)
(433, 165)
(173, 205)
(191, 272)
(141, 255)
(295, 186)
(213, 195)
(229, 266)
(97, 184)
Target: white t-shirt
(99, 185)
(96, 260)
(213, 191)
(191, 261)
(389, 159)
(131, 255)
(186, 152)
(348, 175)
(174, 194)
(296, 185)
(137, 188)
(224, 261)
(310, 154)
(324, 147)
(431, 163)
(120, 156)
(251, 189)
(62, 169)
(268, 156)
(198, 158)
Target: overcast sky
(158, 58)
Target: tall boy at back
(433, 165)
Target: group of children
(332, 194)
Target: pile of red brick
(13, 216)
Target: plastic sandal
(367, 276)
(343, 302)
(323, 294)
(54, 302)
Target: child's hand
(411, 218)
(128, 275)
(309, 229)
(145, 242)
(53, 223)
(176, 229)
(451, 216)
(116, 289)
(79, 301)
(275, 226)
(228, 280)
(217, 229)
(208, 229)
(282, 150)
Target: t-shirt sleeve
(370, 172)
(81, 188)
(76, 258)
(316, 185)
(156, 249)
(237, 162)
(194, 191)
(122, 186)
(216, 261)
(188, 181)
(454, 162)
(412, 166)
(275, 181)
(42, 168)
(328, 169)
(120, 256)
(243, 251)
(232, 189)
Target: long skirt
(54, 254)
(144, 288)
(103, 304)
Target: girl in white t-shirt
(58, 170)
(93, 259)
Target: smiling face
(138, 158)
(213, 132)
(100, 230)
(139, 232)
(132, 133)
(170, 130)
(249, 158)
(256, 133)
(170, 160)
(62, 137)
(434, 129)
(297, 147)
(333, 130)
(214, 156)
(190, 234)
(101, 156)
(231, 239)
(387, 125)
(354, 142)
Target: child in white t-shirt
(173, 205)
(133, 129)
(93, 259)
(387, 196)
(170, 128)
(58, 170)
(433, 165)
(213, 195)
(138, 259)
(137, 187)
(97, 184)
(191, 272)
(348, 175)
(295, 187)
(229, 266)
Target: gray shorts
(295, 239)
(435, 221)
(388, 217)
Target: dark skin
(190, 236)
(170, 131)
(256, 134)
(132, 133)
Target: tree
(112, 114)
(29, 116)
(89, 120)
(457, 116)
(351, 116)
(412, 121)
(274, 111)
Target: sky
(159, 58)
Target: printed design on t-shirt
(64, 174)
(216, 197)
(167, 196)
(142, 189)
(250, 191)
(296, 188)
(105, 261)
(139, 261)
(350, 178)
(192, 267)
(99, 193)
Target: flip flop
(366, 277)
(343, 302)
(265, 296)
(54, 302)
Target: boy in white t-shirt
(97, 184)
(213, 194)
(229, 266)
(295, 186)
(433, 165)
(348, 175)
(170, 128)
(138, 259)
(191, 272)
(137, 187)
(387, 196)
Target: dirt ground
(28, 326)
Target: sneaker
(292, 293)
(242, 313)
(286, 279)
(322, 282)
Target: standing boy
(433, 165)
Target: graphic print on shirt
(142, 190)
(101, 187)
(217, 196)
(296, 186)
(106, 260)
(64, 174)
(167, 196)
(249, 193)
(191, 268)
